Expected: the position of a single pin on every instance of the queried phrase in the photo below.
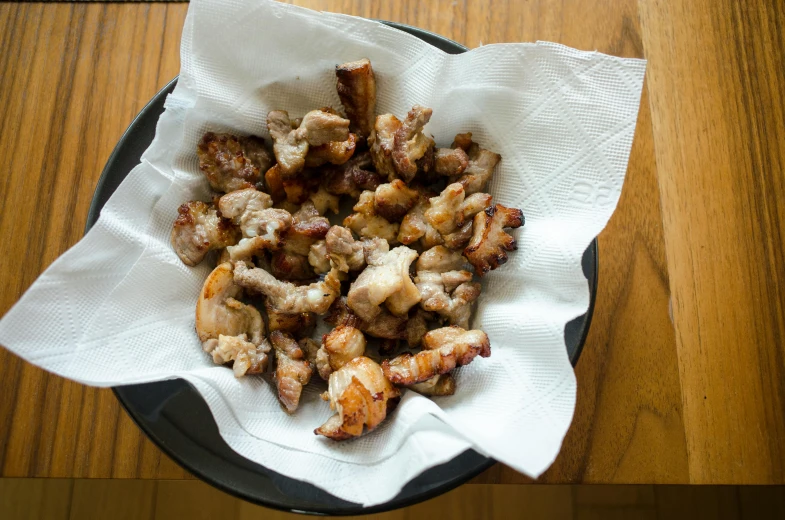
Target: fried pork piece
(436, 386)
(385, 325)
(230, 330)
(489, 244)
(246, 358)
(443, 350)
(361, 397)
(449, 294)
(232, 162)
(199, 229)
(367, 223)
(333, 152)
(339, 346)
(452, 208)
(285, 296)
(479, 171)
(385, 280)
(291, 145)
(264, 231)
(345, 253)
(318, 257)
(297, 324)
(352, 177)
(417, 326)
(290, 266)
(450, 161)
(273, 180)
(382, 142)
(415, 227)
(356, 85)
(308, 227)
(410, 144)
(324, 126)
(439, 259)
(393, 200)
(292, 370)
(325, 201)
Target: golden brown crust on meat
(334, 152)
(297, 324)
(198, 229)
(232, 162)
(489, 244)
(393, 200)
(356, 85)
(410, 144)
(443, 350)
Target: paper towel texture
(119, 306)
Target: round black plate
(176, 418)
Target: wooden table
(682, 379)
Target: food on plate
(361, 397)
(232, 162)
(339, 346)
(395, 278)
(489, 244)
(198, 229)
(292, 370)
(443, 350)
(356, 86)
(230, 330)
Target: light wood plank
(717, 84)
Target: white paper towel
(119, 306)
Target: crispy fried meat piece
(297, 324)
(385, 325)
(367, 223)
(443, 350)
(385, 280)
(417, 326)
(479, 171)
(393, 200)
(333, 152)
(339, 346)
(410, 144)
(198, 229)
(344, 252)
(415, 227)
(325, 201)
(318, 257)
(352, 177)
(356, 85)
(382, 142)
(307, 228)
(292, 370)
(230, 330)
(450, 161)
(290, 266)
(361, 397)
(232, 162)
(439, 259)
(324, 126)
(291, 145)
(489, 244)
(246, 358)
(273, 180)
(289, 298)
(263, 228)
(449, 294)
(436, 386)
(451, 209)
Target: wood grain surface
(682, 378)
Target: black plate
(176, 418)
